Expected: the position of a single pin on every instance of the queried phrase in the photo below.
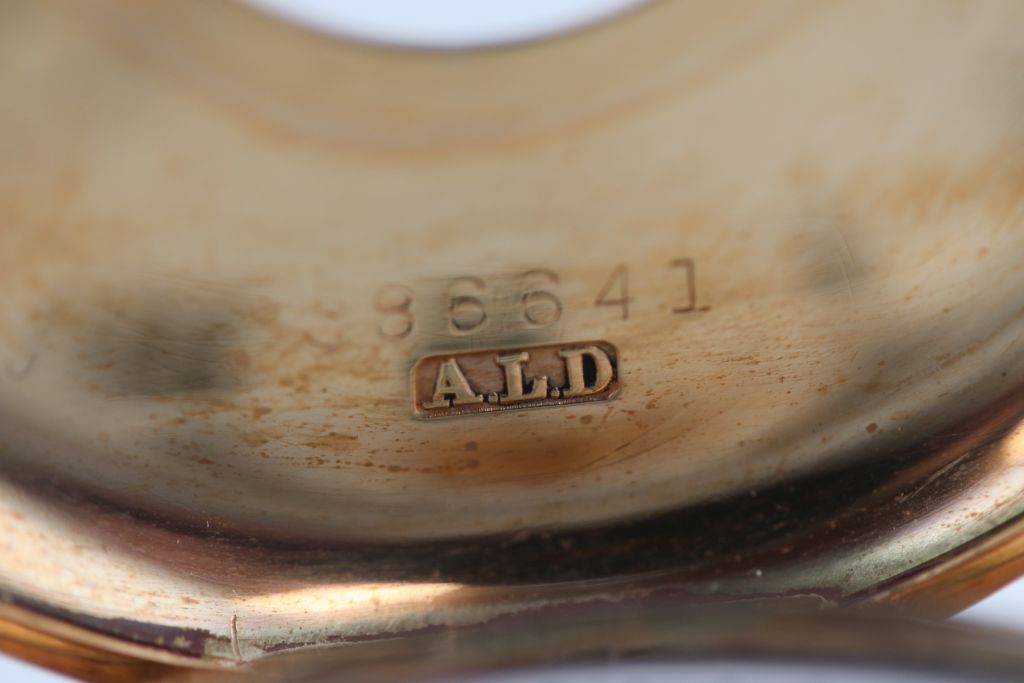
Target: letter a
(451, 382)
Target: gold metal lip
(659, 630)
(487, 390)
(663, 630)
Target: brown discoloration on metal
(69, 648)
(81, 662)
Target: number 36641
(535, 300)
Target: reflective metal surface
(226, 244)
(609, 642)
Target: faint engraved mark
(16, 373)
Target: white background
(469, 23)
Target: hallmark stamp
(472, 382)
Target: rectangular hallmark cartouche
(466, 383)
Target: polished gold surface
(226, 246)
(610, 638)
(606, 638)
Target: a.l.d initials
(482, 381)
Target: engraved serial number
(535, 301)
(482, 381)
